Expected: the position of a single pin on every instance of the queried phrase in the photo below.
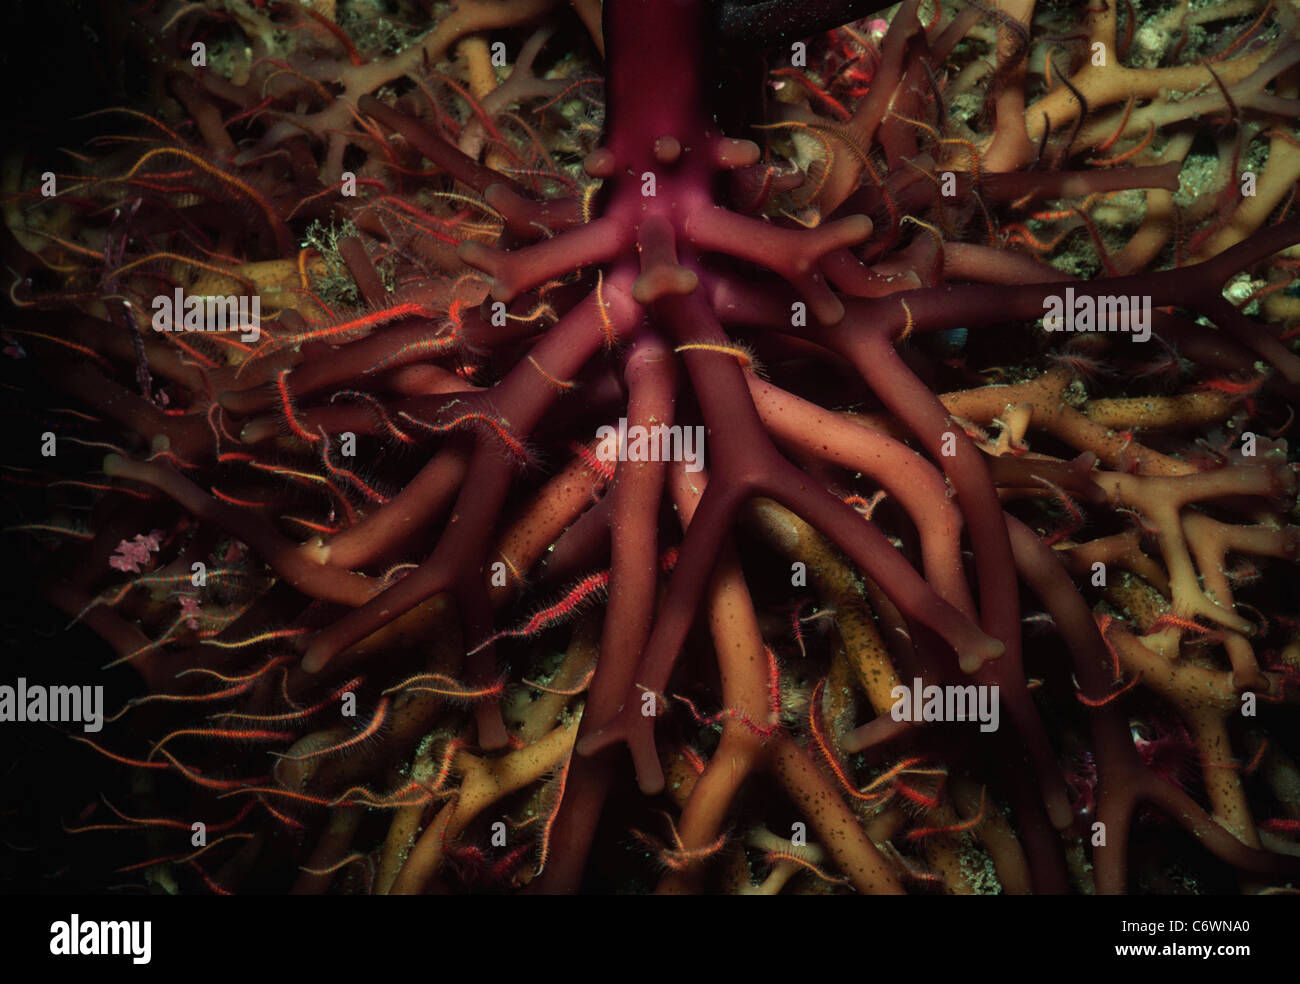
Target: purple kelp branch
(871, 350)
(744, 463)
(634, 515)
(902, 472)
(457, 563)
(1197, 287)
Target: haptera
(102, 939)
(1106, 312)
(657, 443)
(22, 703)
(933, 703)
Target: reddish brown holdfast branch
(958, 594)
